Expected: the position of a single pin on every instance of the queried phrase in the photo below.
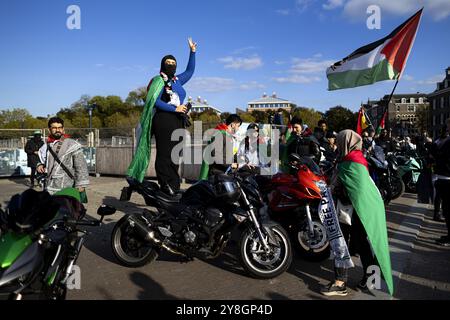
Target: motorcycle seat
(164, 197)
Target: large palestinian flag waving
(381, 60)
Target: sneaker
(334, 290)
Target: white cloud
(333, 4)
(305, 71)
(283, 12)
(217, 84)
(302, 5)
(310, 65)
(251, 85)
(407, 77)
(431, 80)
(438, 9)
(297, 79)
(239, 63)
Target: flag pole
(390, 97)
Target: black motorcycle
(40, 242)
(199, 223)
(385, 176)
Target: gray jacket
(71, 155)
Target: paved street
(420, 267)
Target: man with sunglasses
(62, 159)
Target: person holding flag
(368, 231)
(165, 92)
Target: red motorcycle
(293, 201)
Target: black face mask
(169, 70)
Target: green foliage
(340, 118)
(308, 115)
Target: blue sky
(245, 48)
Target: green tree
(247, 117)
(209, 116)
(224, 115)
(308, 115)
(340, 118)
(137, 97)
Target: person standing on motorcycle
(352, 184)
(226, 140)
(442, 185)
(301, 142)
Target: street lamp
(91, 107)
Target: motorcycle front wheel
(259, 263)
(130, 249)
(312, 247)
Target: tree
(137, 97)
(340, 118)
(259, 116)
(247, 117)
(209, 116)
(308, 115)
(224, 115)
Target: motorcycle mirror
(295, 157)
(105, 210)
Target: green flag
(139, 164)
(367, 201)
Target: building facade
(440, 104)
(200, 105)
(408, 114)
(266, 103)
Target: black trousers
(356, 238)
(33, 174)
(443, 189)
(163, 125)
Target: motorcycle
(387, 181)
(40, 242)
(199, 222)
(409, 167)
(293, 200)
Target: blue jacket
(177, 86)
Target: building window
(420, 100)
(434, 104)
(442, 102)
(434, 120)
(403, 100)
(412, 100)
(398, 108)
(411, 108)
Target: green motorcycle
(40, 241)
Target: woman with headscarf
(165, 92)
(368, 222)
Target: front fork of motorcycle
(310, 221)
(254, 220)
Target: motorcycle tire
(259, 264)
(398, 187)
(410, 186)
(130, 249)
(319, 250)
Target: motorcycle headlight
(321, 185)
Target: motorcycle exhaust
(149, 235)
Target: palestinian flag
(368, 204)
(363, 123)
(382, 124)
(381, 60)
(139, 164)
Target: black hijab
(168, 70)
